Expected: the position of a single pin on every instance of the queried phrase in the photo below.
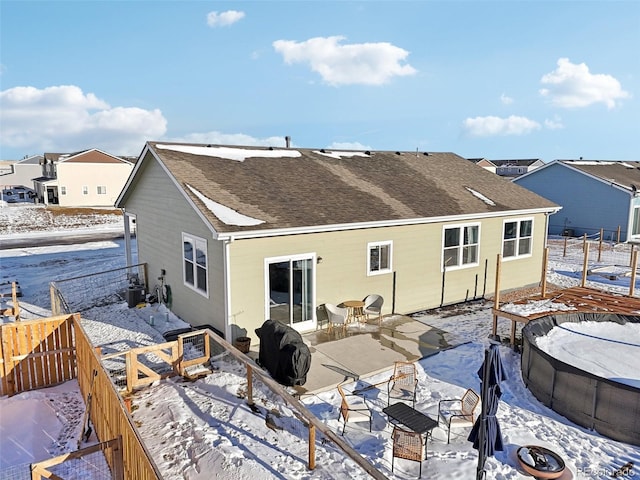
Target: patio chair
(403, 383)
(353, 408)
(337, 316)
(408, 446)
(458, 412)
(373, 306)
(322, 316)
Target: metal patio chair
(408, 446)
(458, 412)
(353, 408)
(403, 383)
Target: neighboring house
(484, 163)
(245, 234)
(6, 167)
(22, 173)
(594, 194)
(91, 178)
(509, 168)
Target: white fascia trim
(132, 175)
(394, 223)
(146, 149)
(531, 172)
(204, 219)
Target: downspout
(227, 288)
(546, 229)
(630, 217)
(127, 238)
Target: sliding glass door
(290, 290)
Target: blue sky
(500, 80)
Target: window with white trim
(379, 258)
(85, 190)
(194, 254)
(102, 189)
(635, 228)
(517, 238)
(461, 245)
(63, 190)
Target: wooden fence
(83, 464)
(36, 353)
(45, 352)
(109, 414)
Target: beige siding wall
(23, 175)
(75, 176)
(417, 253)
(162, 215)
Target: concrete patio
(367, 348)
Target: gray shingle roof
(315, 189)
(523, 162)
(624, 174)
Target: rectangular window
(194, 252)
(461, 246)
(85, 190)
(63, 190)
(517, 238)
(102, 190)
(379, 258)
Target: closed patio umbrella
(485, 434)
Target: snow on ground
(204, 428)
(28, 220)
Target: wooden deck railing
(109, 414)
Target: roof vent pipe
(287, 140)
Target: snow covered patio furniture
(353, 408)
(408, 446)
(402, 384)
(458, 412)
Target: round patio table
(356, 310)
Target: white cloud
(571, 85)
(506, 100)
(338, 64)
(554, 124)
(64, 118)
(493, 126)
(224, 19)
(240, 139)
(348, 146)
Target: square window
(461, 246)
(379, 258)
(517, 238)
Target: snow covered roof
(268, 188)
